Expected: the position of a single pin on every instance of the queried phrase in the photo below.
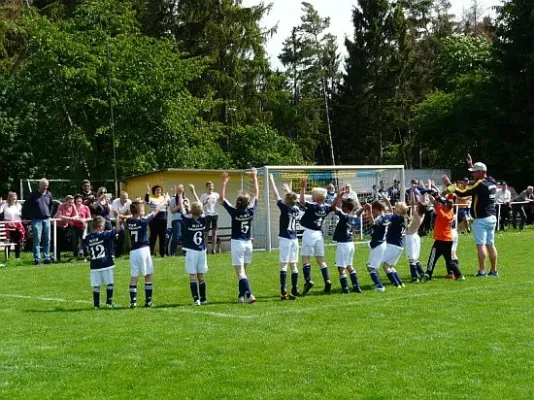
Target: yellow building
(136, 185)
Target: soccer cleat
(380, 288)
(284, 295)
(345, 291)
(307, 287)
(415, 280)
(148, 304)
(196, 302)
(203, 302)
(403, 285)
(37, 262)
(251, 299)
(133, 305)
(241, 300)
(111, 305)
(450, 277)
(481, 275)
(295, 293)
(425, 278)
(357, 289)
(327, 287)
(460, 278)
(493, 273)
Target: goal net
(365, 181)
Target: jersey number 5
(245, 227)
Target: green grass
(441, 340)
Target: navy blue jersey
(314, 215)
(100, 245)
(241, 220)
(288, 220)
(344, 227)
(138, 230)
(193, 232)
(379, 230)
(396, 230)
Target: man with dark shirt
(394, 192)
(483, 211)
(88, 195)
(38, 209)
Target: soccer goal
(364, 180)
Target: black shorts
(211, 222)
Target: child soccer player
(395, 240)
(241, 240)
(194, 226)
(345, 244)
(413, 241)
(289, 244)
(312, 239)
(140, 258)
(99, 243)
(443, 239)
(379, 226)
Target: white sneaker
(251, 299)
(196, 303)
(380, 289)
(203, 303)
(241, 300)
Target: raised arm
(254, 174)
(176, 207)
(367, 207)
(275, 189)
(147, 194)
(387, 202)
(180, 197)
(224, 182)
(303, 185)
(194, 192)
(337, 199)
(118, 222)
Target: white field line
(360, 302)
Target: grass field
(440, 340)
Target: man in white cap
(483, 211)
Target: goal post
(362, 179)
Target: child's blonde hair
(290, 199)
(98, 222)
(196, 208)
(319, 194)
(401, 208)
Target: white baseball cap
(478, 167)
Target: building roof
(202, 171)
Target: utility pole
(112, 120)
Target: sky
(286, 13)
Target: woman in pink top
(67, 214)
(79, 226)
(11, 213)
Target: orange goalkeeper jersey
(443, 225)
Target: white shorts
(102, 277)
(289, 250)
(241, 252)
(344, 254)
(312, 243)
(413, 247)
(454, 240)
(375, 256)
(392, 255)
(196, 262)
(141, 262)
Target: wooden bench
(5, 245)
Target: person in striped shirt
(158, 225)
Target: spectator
(101, 207)
(176, 217)
(11, 213)
(383, 190)
(394, 192)
(79, 226)
(209, 200)
(484, 213)
(503, 197)
(87, 193)
(414, 191)
(67, 213)
(330, 193)
(38, 209)
(464, 205)
(351, 194)
(524, 199)
(158, 225)
(121, 208)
